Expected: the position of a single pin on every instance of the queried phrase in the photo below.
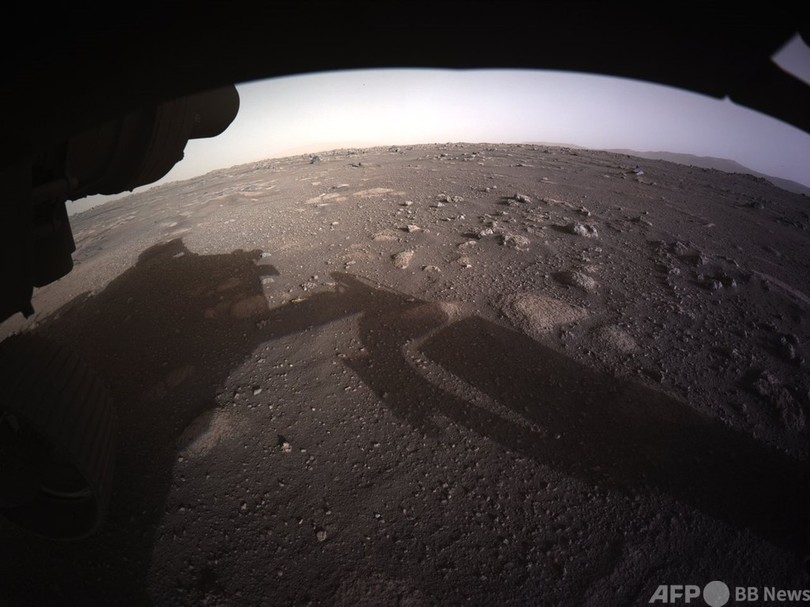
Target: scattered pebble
(402, 259)
(413, 228)
(431, 269)
(407, 203)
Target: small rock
(787, 351)
(256, 391)
(431, 269)
(314, 160)
(790, 338)
(402, 259)
(762, 383)
(787, 347)
(407, 203)
(320, 535)
(284, 445)
(413, 228)
(784, 404)
(583, 229)
(678, 248)
(484, 232)
(522, 198)
(521, 243)
(576, 279)
(717, 281)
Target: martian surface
(457, 374)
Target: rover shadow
(163, 336)
(583, 423)
(166, 334)
(623, 435)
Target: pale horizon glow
(363, 108)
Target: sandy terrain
(439, 375)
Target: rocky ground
(439, 375)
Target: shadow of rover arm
(592, 426)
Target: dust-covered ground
(439, 375)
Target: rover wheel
(56, 440)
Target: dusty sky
(316, 112)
